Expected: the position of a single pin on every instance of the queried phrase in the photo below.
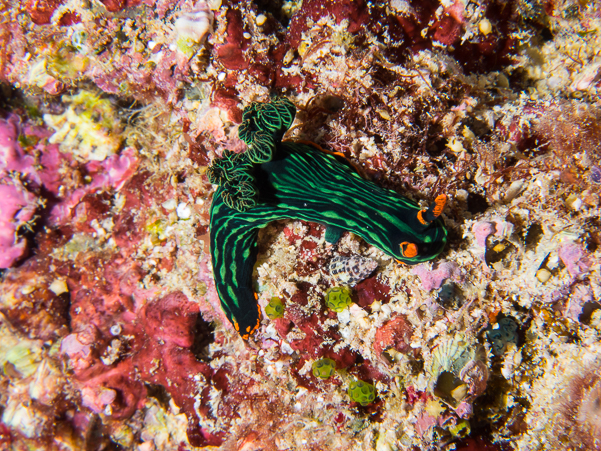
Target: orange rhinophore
(427, 216)
(439, 202)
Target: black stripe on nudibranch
(285, 180)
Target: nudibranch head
(422, 237)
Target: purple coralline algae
(18, 203)
(433, 278)
(17, 207)
(575, 258)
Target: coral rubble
(116, 116)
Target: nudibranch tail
(275, 180)
(233, 253)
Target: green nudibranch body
(301, 182)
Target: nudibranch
(275, 179)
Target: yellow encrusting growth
(89, 128)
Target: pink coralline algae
(122, 335)
(24, 176)
(425, 421)
(231, 53)
(580, 296)
(310, 325)
(110, 173)
(356, 12)
(17, 208)
(79, 347)
(106, 285)
(96, 399)
(475, 375)
(414, 396)
(579, 413)
(433, 278)
(575, 258)
(312, 339)
(427, 24)
(119, 5)
(145, 84)
(464, 409)
(369, 290)
(40, 314)
(165, 358)
(41, 170)
(12, 157)
(482, 230)
(41, 11)
(18, 203)
(211, 310)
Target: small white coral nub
(193, 27)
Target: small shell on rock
(514, 190)
(351, 270)
(595, 174)
(192, 28)
(450, 296)
(459, 371)
(452, 355)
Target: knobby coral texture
(305, 225)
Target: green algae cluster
(338, 298)
(324, 368)
(275, 308)
(362, 392)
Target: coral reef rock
(117, 115)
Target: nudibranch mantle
(276, 180)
